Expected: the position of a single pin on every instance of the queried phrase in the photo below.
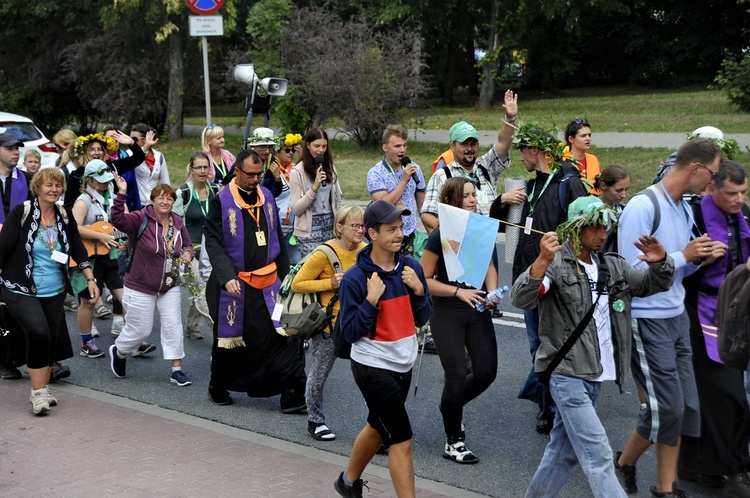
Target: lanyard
(532, 203)
(202, 203)
(169, 237)
(220, 167)
(390, 168)
(49, 232)
(685, 208)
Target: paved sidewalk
(601, 139)
(96, 444)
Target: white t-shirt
(603, 326)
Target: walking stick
(419, 365)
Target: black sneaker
(144, 348)
(89, 350)
(178, 377)
(353, 491)
(676, 492)
(738, 485)
(219, 396)
(628, 474)
(116, 362)
(58, 372)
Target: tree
(349, 71)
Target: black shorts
(385, 393)
(105, 273)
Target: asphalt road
(500, 427)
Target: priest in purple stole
(249, 260)
(722, 448)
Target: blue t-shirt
(47, 273)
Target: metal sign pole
(206, 82)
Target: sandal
(101, 311)
(321, 432)
(70, 304)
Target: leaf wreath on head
(556, 152)
(602, 216)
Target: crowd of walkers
(106, 225)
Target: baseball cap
(382, 212)
(462, 131)
(8, 140)
(583, 206)
(99, 171)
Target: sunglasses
(107, 169)
(581, 122)
(287, 151)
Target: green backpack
(303, 316)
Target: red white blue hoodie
(383, 336)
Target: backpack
(27, 210)
(732, 320)
(341, 347)
(664, 168)
(485, 173)
(187, 195)
(302, 315)
(131, 245)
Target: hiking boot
(738, 486)
(353, 491)
(707, 480)
(320, 432)
(51, 400)
(117, 363)
(178, 377)
(89, 350)
(628, 474)
(676, 492)
(144, 349)
(39, 403)
(458, 452)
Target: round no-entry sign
(205, 7)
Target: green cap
(583, 206)
(462, 131)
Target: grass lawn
(353, 163)
(610, 109)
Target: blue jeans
(577, 437)
(531, 318)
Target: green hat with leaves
(586, 211)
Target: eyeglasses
(357, 227)
(581, 121)
(250, 175)
(138, 139)
(713, 175)
(202, 168)
(287, 151)
(265, 147)
(97, 149)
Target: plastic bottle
(496, 294)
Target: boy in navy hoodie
(384, 297)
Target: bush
(734, 80)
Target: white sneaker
(51, 400)
(39, 402)
(458, 452)
(117, 328)
(94, 331)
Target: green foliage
(734, 80)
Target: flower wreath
(729, 146)
(292, 139)
(599, 216)
(555, 151)
(109, 143)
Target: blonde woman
(317, 275)
(222, 161)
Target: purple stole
(19, 192)
(714, 274)
(231, 307)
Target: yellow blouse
(315, 275)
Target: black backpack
(732, 320)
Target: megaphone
(245, 73)
(275, 87)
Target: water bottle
(496, 294)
